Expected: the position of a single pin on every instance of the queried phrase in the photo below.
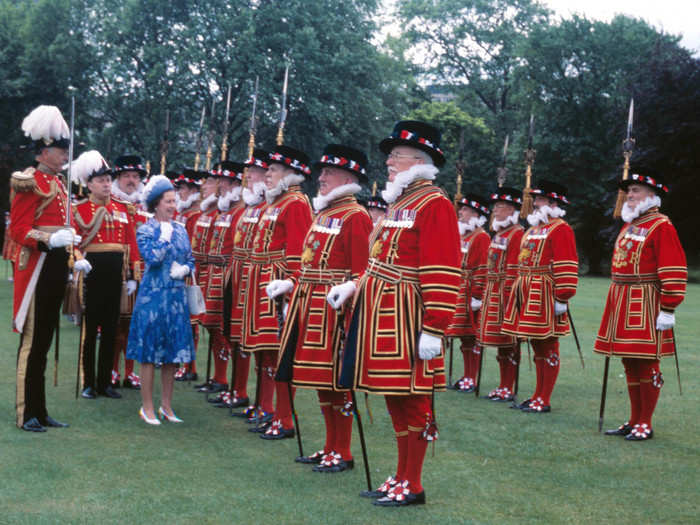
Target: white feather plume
(87, 164)
(45, 122)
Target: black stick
(604, 393)
(573, 329)
(209, 354)
(517, 353)
(80, 355)
(478, 378)
(296, 418)
(452, 347)
(57, 344)
(675, 354)
(234, 350)
(361, 431)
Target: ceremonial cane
(529, 357)
(80, 354)
(573, 329)
(296, 418)
(604, 393)
(478, 378)
(234, 350)
(449, 381)
(206, 383)
(517, 372)
(361, 431)
(675, 354)
(57, 344)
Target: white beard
(229, 198)
(322, 201)
(255, 196)
(133, 198)
(512, 219)
(206, 203)
(543, 214)
(629, 213)
(282, 186)
(183, 205)
(402, 180)
(471, 225)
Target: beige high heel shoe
(147, 419)
(170, 419)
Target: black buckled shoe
(248, 413)
(110, 392)
(132, 381)
(400, 496)
(213, 388)
(237, 402)
(33, 425)
(522, 405)
(622, 430)
(276, 431)
(48, 421)
(313, 459)
(88, 393)
(382, 491)
(219, 398)
(202, 385)
(333, 462)
(640, 433)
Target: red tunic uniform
(502, 272)
(474, 246)
(649, 273)
(548, 272)
(336, 248)
(276, 254)
(200, 238)
(410, 286)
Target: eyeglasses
(398, 156)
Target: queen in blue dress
(160, 330)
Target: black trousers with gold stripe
(102, 295)
(35, 340)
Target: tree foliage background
(475, 68)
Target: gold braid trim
(48, 197)
(93, 226)
(23, 180)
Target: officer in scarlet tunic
(336, 248)
(649, 275)
(109, 244)
(38, 217)
(501, 273)
(403, 303)
(547, 279)
(276, 254)
(473, 213)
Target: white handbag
(195, 298)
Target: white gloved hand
(130, 286)
(475, 304)
(429, 346)
(83, 265)
(560, 308)
(278, 287)
(63, 237)
(166, 231)
(665, 320)
(340, 293)
(178, 271)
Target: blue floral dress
(160, 324)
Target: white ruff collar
(229, 198)
(402, 180)
(322, 201)
(256, 196)
(629, 214)
(543, 214)
(206, 203)
(471, 225)
(512, 219)
(133, 198)
(189, 201)
(282, 186)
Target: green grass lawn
(491, 464)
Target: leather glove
(340, 293)
(63, 237)
(665, 320)
(429, 346)
(177, 270)
(278, 287)
(130, 286)
(83, 265)
(166, 231)
(560, 308)
(475, 304)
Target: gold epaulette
(23, 180)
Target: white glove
(166, 231)
(341, 293)
(429, 346)
(130, 286)
(278, 287)
(475, 304)
(177, 270)
(63, 237)
(665, 320)
(83, 265)
(560, 308)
